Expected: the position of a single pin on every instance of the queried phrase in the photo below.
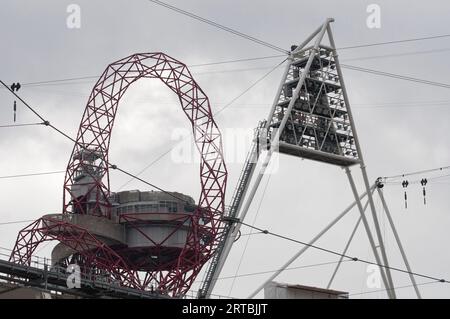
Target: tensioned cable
(238, 60)
(395, 42)
(397, 287)
(220, 26)
(432, 170)
(265, 231)
(17, 222)
(396, 55)
(274, 47)
(20, 125)
(418, 181)
(396, 76)
(250, 87)
(275, 270)
(31, 174)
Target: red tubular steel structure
(90, 155)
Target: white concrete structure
(275, 290)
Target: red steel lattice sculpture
(90, 158)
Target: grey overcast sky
(403, 126)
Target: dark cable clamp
(379, 182)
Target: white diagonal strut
(317, 237)
(344, 252)
(399, 243)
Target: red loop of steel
(98, 120)
(94, 138)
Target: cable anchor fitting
(405, 184)
(424, 182)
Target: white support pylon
(314, 121)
